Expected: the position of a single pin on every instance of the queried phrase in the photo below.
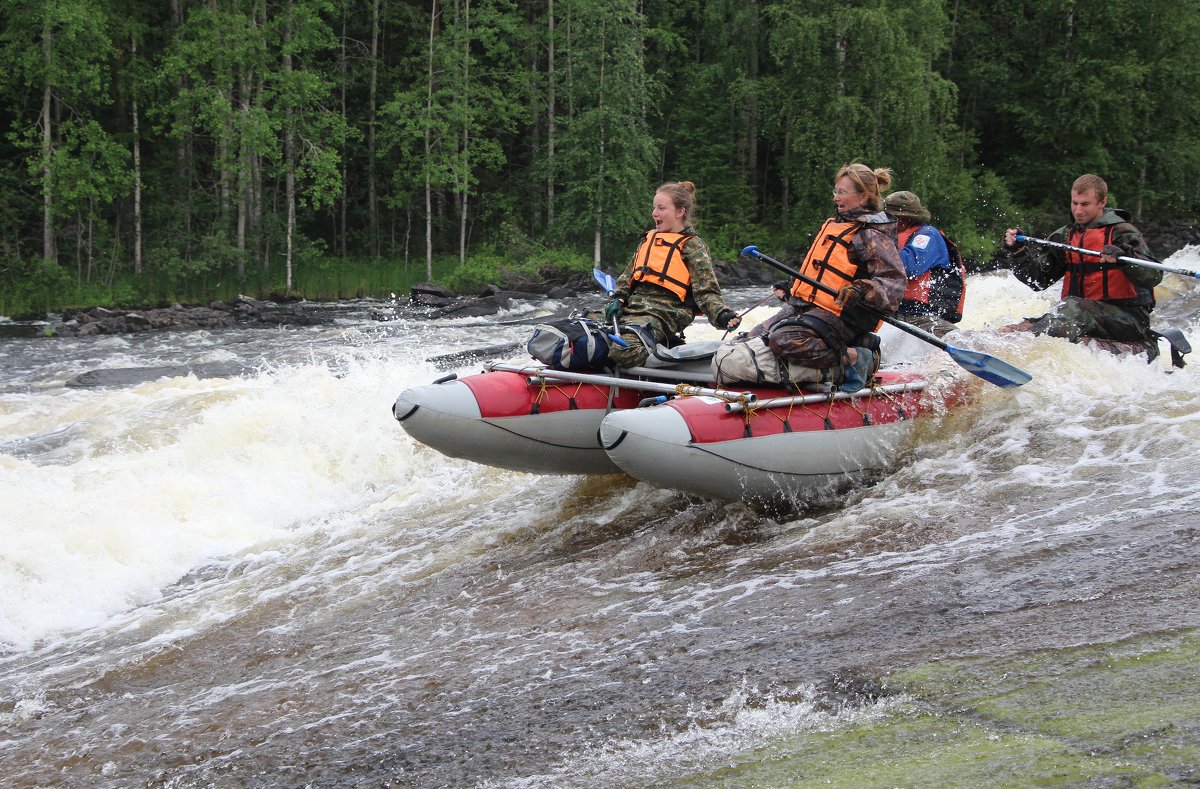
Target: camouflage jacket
(875, 247)
(1040, 267)
(649, 304)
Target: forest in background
(193, 149)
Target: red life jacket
(1087, 276)
(659, 261)
(938, 291)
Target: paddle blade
(989, 368)
(605, 280)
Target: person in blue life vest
(1102, 297)
(937, 279)
(827, 339)
(668, 281)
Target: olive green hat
(906, 205)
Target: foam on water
(136, 487)
(158, 479)
(742, 724)
(278, 547)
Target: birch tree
(605, 143)
(59, 49)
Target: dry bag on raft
(749, 360)
(746, 360)
(570, 344)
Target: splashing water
(261, 580)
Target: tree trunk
(840, 47)
(600, 172)
(137, 174)
(289, 167)
(224, 167)
(1070, 35)
(751, 104)
(183, 151)
(243, 175)
(112, 257)
(1141, 192)
(433, 12)
(340, 231)
(257, 190)
(49, 252)
(466, 136)
(372, 197)
(952, 39)
(550, 119)
(407, 231)
(91, 239)
(78, 246)
(570, 71)
(787, 181)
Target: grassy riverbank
(52, 289)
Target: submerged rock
(131, 376)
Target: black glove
(724, 317)
(784, 285)
(1112, 249)
(850, 296)
(613, 309)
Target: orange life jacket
(1087, 276)
(828, 262)
(659, 261)
(937, 291)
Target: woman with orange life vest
(1101, 296)
(668, 281)
(937, 289)
(855, 254)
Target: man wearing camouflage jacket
(1102, 297)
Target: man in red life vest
(1101, 296)
(933, 299)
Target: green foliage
(974, 209)
(607, 147)
(489, 267)
(987, 110)
(857, 85)
(91, 169)
(60, 43)
(32, 286)
(1054, 90)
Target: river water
(260, 580)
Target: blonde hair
(683, 195)
(870, 182)
(1091, 183)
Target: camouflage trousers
(805, 345)
(637, 352)
(1074, 317)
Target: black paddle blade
(989, 368)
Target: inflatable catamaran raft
(529, 417)
(730, 444)
(748, 444)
